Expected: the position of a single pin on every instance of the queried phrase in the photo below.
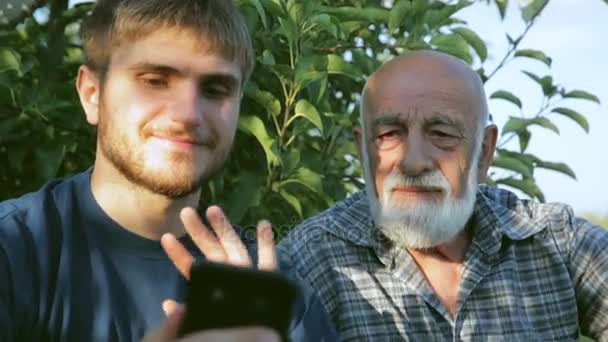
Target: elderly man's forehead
(428, 81)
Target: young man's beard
(128, 158)
(422, 224)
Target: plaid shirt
(533, 272)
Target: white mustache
(433, 180)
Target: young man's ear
(488, 147)
(88, 87)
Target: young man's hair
(218, 23)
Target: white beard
(424, 224)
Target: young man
(427, 254)
(80, 259)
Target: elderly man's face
(423, 145)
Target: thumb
(169, 306)
(169, 328)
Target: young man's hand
(169, 329)
(225, 246)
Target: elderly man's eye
(441, 134)
(388, 135)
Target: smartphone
(223, 296)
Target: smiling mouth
(180, 140)
(417, 191)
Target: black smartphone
(222, 296)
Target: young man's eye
(216, 91)
(155, 81)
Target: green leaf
(296, 11)
(535, 54)
(318, 89)
(310, 68)
(307, 110)
(524, 139)
(454, 45)
(245, 195)
(48, 159)
(527, 159)
(261, 12)
(308, 179)
(435, 19)
(367, 14)
(9, 60)
(263, 98)
(502, 7)
(508, 96)
(275, 8)
(526, 185)
(324, 21)
(574, 115)
(253, 125)
(533, 76)
(337, 65)
(291, 161)
(513, 164)
(581, 94)
(293, 201)
(546, 123)
(559, 167)
(398, 14)
(545, 82)
(474, 40)
(533, 9)
(515, 124)
(16, 157)
(268, 58)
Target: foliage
(601, 220)
(295, 154)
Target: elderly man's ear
(488, 147)
(357, 135)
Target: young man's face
(168, 112)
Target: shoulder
(25, 221)
(554, 222)
(339, 237)
(345, 223)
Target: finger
(203, 238)
(179, 255)
(170, 306)
(238, 334)
(267, 252)
(231, 242)
(169, 328)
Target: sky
(573, 34)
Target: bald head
(428, 74)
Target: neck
(453, 251)
(137, 209)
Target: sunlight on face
(423, 223)
(167, 120)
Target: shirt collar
(497, 213)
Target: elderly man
(425, 253)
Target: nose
(187, 106)
(417, 158)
